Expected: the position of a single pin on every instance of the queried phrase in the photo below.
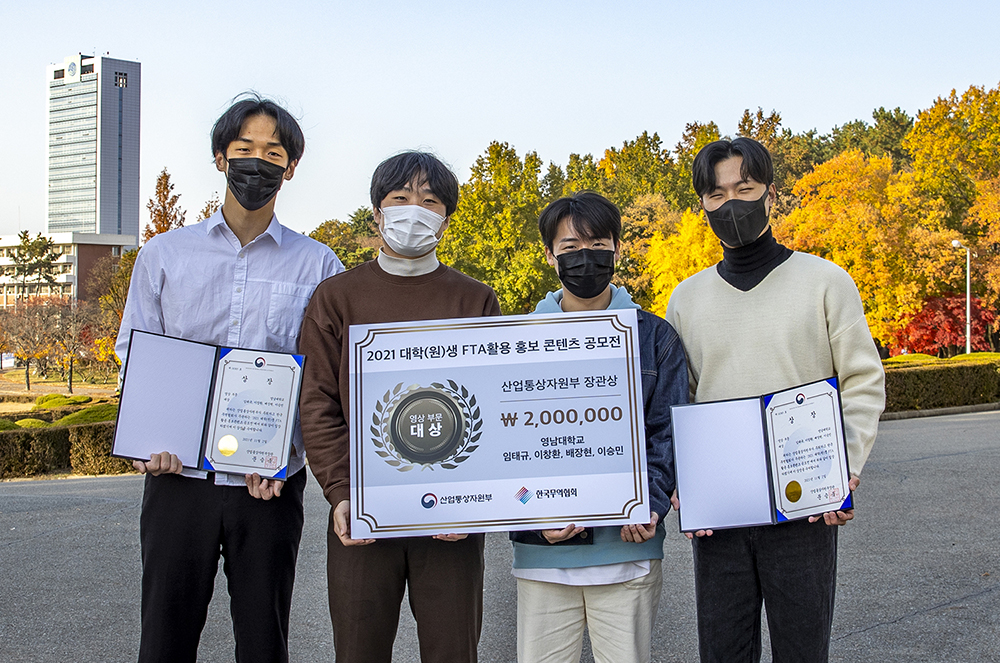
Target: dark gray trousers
(444, 580)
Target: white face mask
(410, 230)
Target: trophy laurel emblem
(428, 427)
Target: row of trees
(884, 199)
(55, 333)
(47, 333)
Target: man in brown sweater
(413, 195)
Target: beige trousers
(551, 617)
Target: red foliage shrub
(940, 325)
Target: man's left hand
(449, 537)
(839, 517)
(263, 489)
(640, 533)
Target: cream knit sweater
(802, 323)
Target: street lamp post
(968, 294)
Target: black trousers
(185, 525)
(790, 567)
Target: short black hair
(396, 172)
(593, 216)
(228, 127)
(756, 163)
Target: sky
(369, 79)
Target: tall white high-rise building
(93, 169)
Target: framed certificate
(763, 460)
(218, 409)
(495, 424)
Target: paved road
(918, 581)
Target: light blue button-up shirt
(199, 284)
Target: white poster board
(496, 424)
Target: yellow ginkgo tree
(674, 256)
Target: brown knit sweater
(365, 295)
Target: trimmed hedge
(65, 416)
(85, 448)
(925, 383)
(43, 441)
(17, 398)
(42, 415)
(45, 398)
(25, 453)
(90, 450)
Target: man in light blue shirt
(238, 279)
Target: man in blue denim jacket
(605, 578)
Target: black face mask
(739, 222)
(586, 273)
(254, 181)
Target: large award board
(219, 409)
(495, 424)
(761, 460)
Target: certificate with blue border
(251, 420)
(761, 460)
(229, 410)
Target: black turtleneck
(746, 266)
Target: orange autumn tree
(164, 212)
(939, 327)
(860, 214)
(103, 350)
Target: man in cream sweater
(765, 319)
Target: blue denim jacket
(664, 383)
